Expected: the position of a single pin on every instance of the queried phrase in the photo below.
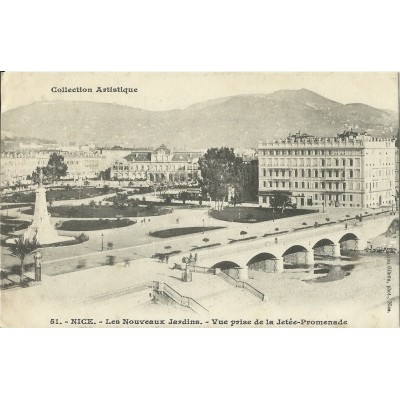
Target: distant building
(84, 165)
(161, 164)
(18, 166)
(350, 170)
(116, 153)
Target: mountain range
(237, 121)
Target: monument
(41, 226)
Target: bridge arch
(350, 241)
(263, 261)
(298, 254)
(326, 247)
(261, 257)
(297, 248)
(348, 236)
(323, 242)
(228, 267)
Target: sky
(166, 91)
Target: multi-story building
(18, 166)
(116, 153)
(350, 170)
(161, 164)
(84, 165)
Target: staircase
(216, 295)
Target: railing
(114, 293)
(178, 298)
(202, 270)
(254, 291)
(243, 285)
(228, 278)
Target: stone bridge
(296, 247)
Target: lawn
(10, 206)
(255, 214)
(57, 194)
(104, 211)
(9, 224)
(167, 233)
(163, 203)
(93, 225)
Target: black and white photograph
(199, 200)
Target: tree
(120, 200)
(184, 196)
(54, 169)
(21, 249)
(106, 174)
(235, 199)
(280, 200)
(34, 177)
(220, 171)
(168, 200)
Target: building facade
(350, 170)
(18, 166)
(161, 164)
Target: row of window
(146, 173)
(309, 152)
(308, 173)
(315, 162)
(340, 197)
(379, 185)
(308, 185)
(379, 173)
(329, 200)
(150, 167)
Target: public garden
(57, 193)
(103, 211)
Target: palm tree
(21, 249)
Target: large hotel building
(350, 170)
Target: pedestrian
(345, 226)
(167, 258)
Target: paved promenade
(134, 242)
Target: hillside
(239, 121)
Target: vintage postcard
(209, 200)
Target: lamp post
(102, 241)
